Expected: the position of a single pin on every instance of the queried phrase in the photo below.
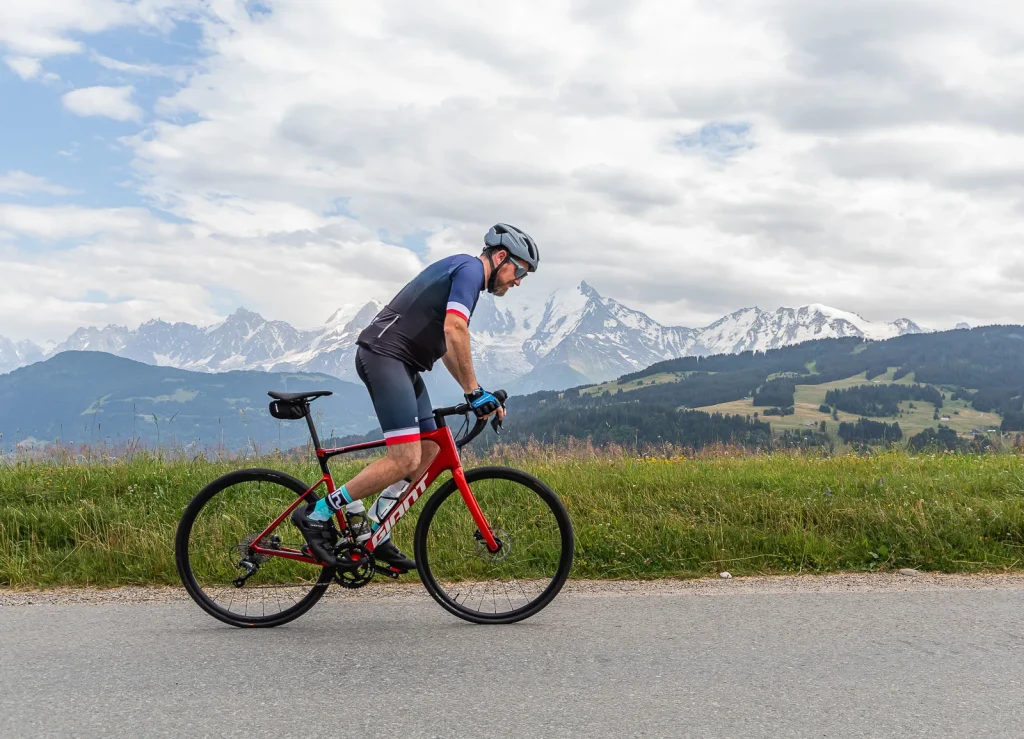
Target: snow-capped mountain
(573, 337)
(754, 329)
(14, 355)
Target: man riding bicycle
(426, 321)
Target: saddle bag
(289, 410)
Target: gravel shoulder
(413, 591)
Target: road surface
(875, 656)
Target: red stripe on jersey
(459, 313)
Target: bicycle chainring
(359, 577)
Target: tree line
(880, 400)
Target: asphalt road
(714, 663)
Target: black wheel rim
(525, 573)
(217, 543)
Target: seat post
(312, 428)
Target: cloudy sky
(178, 158)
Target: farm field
(614, 386)
(962, 418)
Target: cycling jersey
(411, 327)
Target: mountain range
(92, 397)
(573, 337)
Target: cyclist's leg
(392, 389)
(425, 413)
(428, 452)
(391, 386)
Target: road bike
(497, 552)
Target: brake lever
(496, 425)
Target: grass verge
(112, 522)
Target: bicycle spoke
(219, 552)
(529, 559)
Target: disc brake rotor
(504, 540)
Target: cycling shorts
(398, 394)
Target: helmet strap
(492, 281)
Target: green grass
(614, 386)
(112, 522)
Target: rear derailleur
(251, 561)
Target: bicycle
(512, 529)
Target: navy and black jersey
(411, 326)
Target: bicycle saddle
(299, 396)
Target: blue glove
(482, 402)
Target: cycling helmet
(517, 243)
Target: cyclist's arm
(459, 359)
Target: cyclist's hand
(484, 403)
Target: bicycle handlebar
(463, 408)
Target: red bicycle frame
(446, 459)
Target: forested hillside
(983, 366)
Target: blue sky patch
(717, 139)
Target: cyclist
(428, 320)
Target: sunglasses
(521, 271)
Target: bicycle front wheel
(531, 565)
(216, 534)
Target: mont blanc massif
(574, 337)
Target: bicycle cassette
(245, 546)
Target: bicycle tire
(423, 544)
(183, 561)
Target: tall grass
(111, 521)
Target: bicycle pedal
(389, 571)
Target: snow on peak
(346, 313)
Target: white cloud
(688, 158)
(583, 131)
(42, 28)
(108, 102)
(17, 182)
(71, 221)
(143, 70)
(24, 66)
(176, 271)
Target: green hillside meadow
(109, 522)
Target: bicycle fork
(474, 510)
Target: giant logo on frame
(400, 509)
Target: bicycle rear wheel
(216, 533)
(528, 570)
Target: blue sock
(325, 507)
(322, 512)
